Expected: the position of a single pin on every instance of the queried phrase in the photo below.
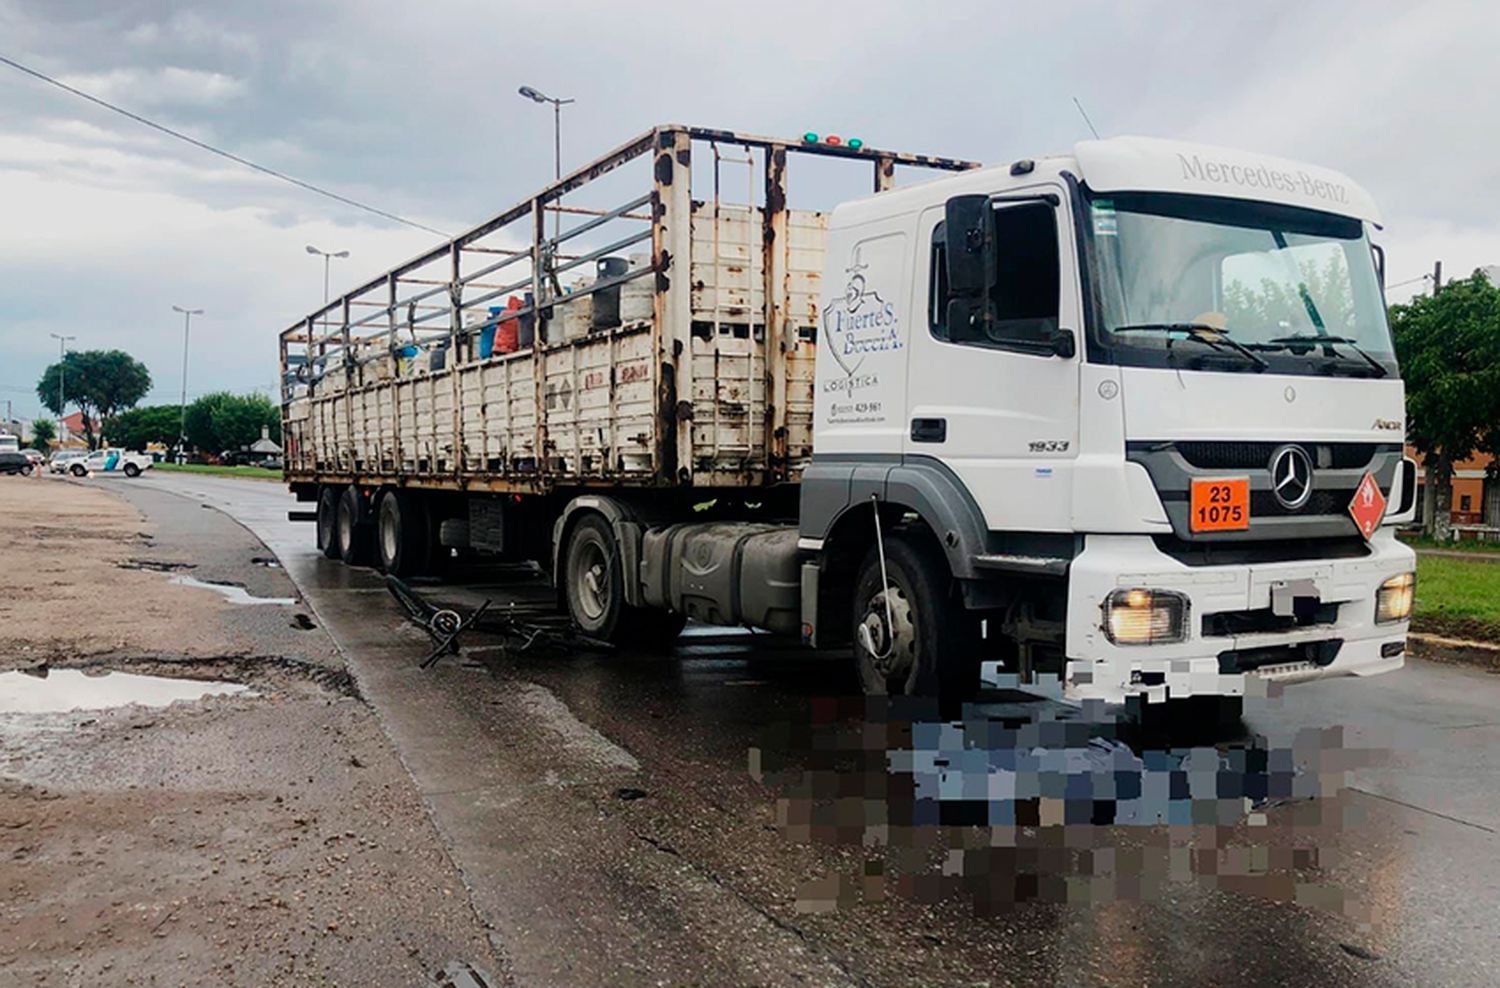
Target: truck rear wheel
(328, 522)
(921, 644)
(401, 530)
(356, 544)
(594, 587)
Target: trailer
(1078, 416)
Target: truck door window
(1027, 280)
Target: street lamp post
(327, 256)
(62, 355)
(187, 318)
(557, 105)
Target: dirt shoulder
(263, 839)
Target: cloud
(166, 86)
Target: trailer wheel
(328, 522)
(401, 530)
(922, 644)
(356, 544)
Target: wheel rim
(591, 580)
(889, 649)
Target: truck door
(997, 405)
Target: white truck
(125, 461)
(1128, 417)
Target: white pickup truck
(110, 461)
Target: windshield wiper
(1310, 339)
(1200, 332)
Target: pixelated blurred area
(1027, 799)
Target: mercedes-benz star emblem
(1291, 476)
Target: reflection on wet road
(729, 814)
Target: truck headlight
(1394, 598)
(1145, 617)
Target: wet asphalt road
(726, 814)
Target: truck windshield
(1293, 287)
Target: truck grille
(1257, 455)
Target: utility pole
(1437, 276)
(62, 354)
(187, 318)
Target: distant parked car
(15, 462)
(61, 459)
(35, 456)
(111, 460)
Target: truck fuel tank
(726, 573)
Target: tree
(223, 421)
(139, 427)
(42, 434)
(1448, 344)
(101, 383)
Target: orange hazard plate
(1220, 504)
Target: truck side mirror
(970, 252)
(969, 318)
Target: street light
(327, 258)
(557, 105)
(62, 355)
(187, 318)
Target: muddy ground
(263, 839)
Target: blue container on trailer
(487, 334)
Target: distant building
(72, 429)
(1476, 496)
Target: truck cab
(1130, 417)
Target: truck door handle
(929, 430)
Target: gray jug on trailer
(607, 300)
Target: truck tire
(328, 522)
(401, 533)
(594, 588)
(131, 470)
(933, 651)
(356, 541)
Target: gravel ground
(263, 839)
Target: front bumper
(1351, 644)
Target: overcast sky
(105, 225)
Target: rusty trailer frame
(559, 413)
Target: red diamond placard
(1368, 506)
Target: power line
(1409, 281)
(218, 151)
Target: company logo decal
(857, 325)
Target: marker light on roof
(833, 139)
(855, 143)
(811, 137)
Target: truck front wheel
(911, 634)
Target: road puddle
(231, 592)
(62, 690)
